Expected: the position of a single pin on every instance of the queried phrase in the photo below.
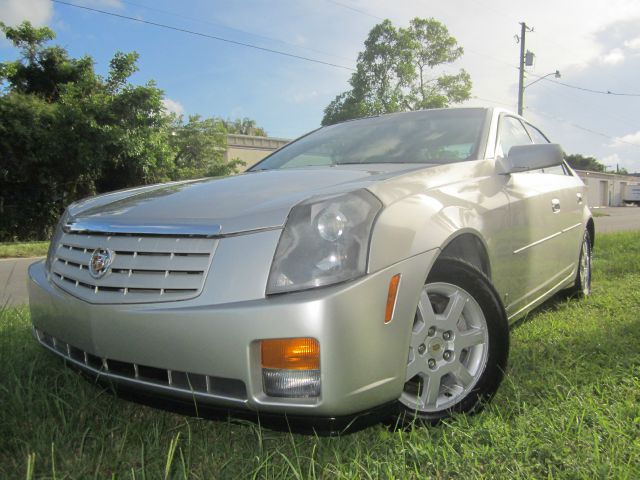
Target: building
(606, 189)
(251, 149)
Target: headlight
(325, 241)
(56, 239)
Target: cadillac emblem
(101, 260)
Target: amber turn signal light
(291, 353)
(391, 297)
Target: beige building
(606, 189)
(251, 149)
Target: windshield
(429, 136)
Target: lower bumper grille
(185, 382)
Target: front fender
(430, 219)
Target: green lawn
(28, 249)
(569, 408)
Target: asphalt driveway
(13, 280)
(616, 219)
(13, 271)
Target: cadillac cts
(369, 267)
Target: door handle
(579, 196)
(555, 205)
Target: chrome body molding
(216, 336)
(185, 288)
(176, 229)
(537, 242)
(568, 229)
(564, 283)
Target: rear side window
(512, 133)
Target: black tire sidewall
(578, 289)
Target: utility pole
(523, 32)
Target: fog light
(291, 367)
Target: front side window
(429, 136)
(536, 135)
(555, 170)
(511, 134)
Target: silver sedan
(369, 268)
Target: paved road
(13, 280)
(617, 219)
(13, 272)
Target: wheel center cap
(436, 346)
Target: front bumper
(208, 351)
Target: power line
(576, 87)
(590, 90)
(504, 62)
(605, 113)
(353, 9)
(205, 35)
(561, 120)
(300, 57)
(580, 127)
(497, 102)
(223, 25)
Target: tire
(457, 355)
(582, 286)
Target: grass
(569, 408)
(597, 214)
(27, 249)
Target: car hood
(227, 205)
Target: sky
(594, 44)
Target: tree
(200, 146)
(397, 72)
(580, 162)
(66, 133)
(42, 71)
(101, 133)
(243, 126)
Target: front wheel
(459, 345)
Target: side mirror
(523, 158)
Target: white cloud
(611, 160)
(301, 97)
(14, 12)
(299, 39)
(633, 138)
(40, 12)
(173, 106)
(615, 161)
(614, 57)
(633, 44)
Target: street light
(556, 74)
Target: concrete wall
(606, 189)
(251, 149)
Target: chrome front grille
(192, 383)
(144, 269)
